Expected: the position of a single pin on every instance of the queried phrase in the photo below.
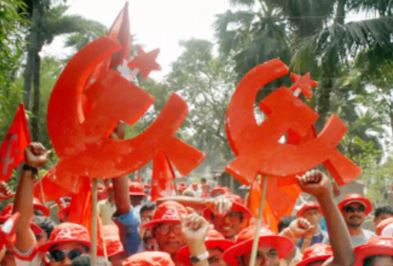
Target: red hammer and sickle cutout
(257, 147)
(81, 136)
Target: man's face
(146, 216)
(313, 216)
(381, 217)
(354, 214)
(62, 255)
(383, 261)
(169, 237)
(229, 225)
(266, 256)
(136, 200)
(215, 257)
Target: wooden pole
(93, 254)
(259, 221)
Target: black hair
(149, 206)
(284, 222)
(45, 224)
(82, 260)
(383, 210)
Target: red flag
(46, 189)
(280, 200)
(14, 144)
(162, 181)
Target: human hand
(300, 228)
(194, 228)
(220, 205)
(315, 183)
(36, 154)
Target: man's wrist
(29, 168)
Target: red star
(304, 83)
(145, 62)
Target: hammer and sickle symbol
(81, 136)
(257, 147)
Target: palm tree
(47, 22)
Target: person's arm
(318, 185)
(219, 205)
(124, 217)
(35, 156)
(195, 229)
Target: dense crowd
(202, 225)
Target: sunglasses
(60, 255)
(164, 229)
(361, 208)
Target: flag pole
(93, 254)
(259, 221)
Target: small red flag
(14, 144)
(162, 181)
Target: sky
(155, 23)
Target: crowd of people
(198, 226)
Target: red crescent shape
(257, 147)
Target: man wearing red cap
(67, 241)
(354, 208)
(377, 251)
(274, 247)
(311, 211)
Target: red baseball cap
(379, 245)
(317, 252)
(386, 223)
(37, 205)
(219, 190)
(308, 206)
(136, 189)
(112, 241)
(237, 206)
(354, 197)
(66, 233)
(167, 212)
(213, 240)
(245, 240)
(149, 258)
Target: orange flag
(280, 200)
(14, 144)
(162, 181)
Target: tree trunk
(340, 12)
(32, 52)
(36, 100)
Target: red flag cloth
(280, 200)
(14, 144)
(162, 181)
(81, 212)
(46, 189)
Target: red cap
(213, 240)
(317, 252)
(149, 258)
(37, 205)
(219, 191)
(380, 245)
(5, 192)
(266, 238)
(354, 197)
(112, 241)
(237, 206)
(66, 233)
(136, 189)
(384, 224)
(308, 206)
(167, 212)
(102, 193)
